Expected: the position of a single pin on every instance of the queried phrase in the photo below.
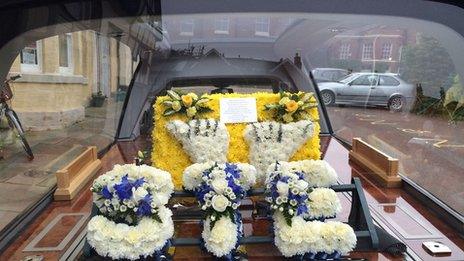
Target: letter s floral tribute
(133, 221)
(219, 189)
(300, 211)
(189, 103)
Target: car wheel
(396, 103)
(328, 98)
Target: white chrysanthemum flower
(118, 241)
(247, 176)
(203, 140)
(324, 202)
(271, 141)
(222, 238)
(192, 176)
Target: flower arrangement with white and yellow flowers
(219, 189)
(292, 106)
(299, 210)
(189, 104)
(132, 220)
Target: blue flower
(138, 182)
(106, 193)
(144, 207)
(302, 208)
(124, 189)
(233, 170)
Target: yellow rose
(284, 100)
(187, 100)
(287, 117)
(191, 111)
(300, 103)
(176, 105)
(291, 106)
(193, 95)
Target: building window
(262, 26)
(186, 27)
(221, 26)
(30, 57)
(65, 45)
(367, 51)
(386, 51)
(345, 51)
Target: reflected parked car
(329, 74)
(373, 89)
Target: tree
(427, 63)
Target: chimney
(297, 60)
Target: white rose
(282, 189)
(302, 185)
(139, 193)
(219, 185)
(220, 203)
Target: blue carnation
(144, 207)
(106, 193)
(124, 189)
(138, 182)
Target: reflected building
(61, 73)
(373, 49)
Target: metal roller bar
(190, 241)
(260, 191)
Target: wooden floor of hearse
(393, 209)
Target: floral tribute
(292, 106)
(189, 104)
(300, 210)
(219, 189)
(272, 141)
(318, 173)
(133, 221)
(168, 153)
(203, 140)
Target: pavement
(24, 182)
(430, 149)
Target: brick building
(377, 48)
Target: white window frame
(34, 68)
(365, 51)
(222, 25)
(262, 22)
(345, 51)
(386, 51)
(187, 22)
(69, 44)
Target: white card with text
(238, 110)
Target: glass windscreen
(395, 82)
(64, 93)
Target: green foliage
(353, 65)
(229, 212)
(427, 63)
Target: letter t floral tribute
(219, 189)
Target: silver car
(369, 89)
